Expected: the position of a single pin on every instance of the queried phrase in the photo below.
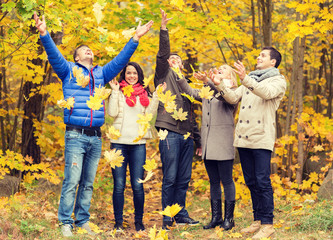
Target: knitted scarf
(260, 75)
(138, 91)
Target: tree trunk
(299, 84)
(266, 10)
(254, 40)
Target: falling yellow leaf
(144, 119)
(178, 71)
(149, 175)
(150, 165)
(95, 228)
(165, 97)
(69, 103)
(82, 80)
(81, 231)
(187, 135)
(314, 158)
(171, 211)
(188, 97)
(97, 9)
(179, 115)
(114, 158)
(128, 90)
(170, 106)
(148, 80)
(128, 33)
(113, 133)
(77, 71)
(102, 92)
(205, 92)
(95, 103)
(162, 134)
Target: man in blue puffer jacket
(83, 144)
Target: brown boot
(266, 231)
(255, 226)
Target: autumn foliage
(205, 34)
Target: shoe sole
(192, 224)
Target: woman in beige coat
(217, 134)
(128, 99)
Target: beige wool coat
(255, 128)
(217, 128)
(116, 109)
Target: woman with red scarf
(128, 99)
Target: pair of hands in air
(140, 30)
(216, 77)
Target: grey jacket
(256, 124)
(217, 128)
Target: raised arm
(276, 88)
(112, 68)
(162, 64)
(56, 59)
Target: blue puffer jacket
(81, 114)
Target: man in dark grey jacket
(176, 151)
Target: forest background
(206, 34)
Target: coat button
(243, 107)
(247, 121)
(247, 137)
(247, 92)
(240, 121)
(250, 106)
(207, 125)
(258, 121)
(208, 113)
(240, 136)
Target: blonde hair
(233, 76)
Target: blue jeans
(176, 157)
(256, 166)
(82, 154)
(135, 157)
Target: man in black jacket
(176, 151)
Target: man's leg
(169, 150)
(89, 168)
(74, 154)
(248, 166)
(264, 186)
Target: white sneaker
(66, 230)
(88, 229)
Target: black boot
(216, 206)
(228, 222)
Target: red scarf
(138, 91)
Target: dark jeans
(221, 171)
(176, 157)
(256, 166)
(135, 157)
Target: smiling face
(264, 60)
(131, 75)
(84, 54)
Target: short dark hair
(274, 54)
(77, 49)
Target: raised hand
(162, 85)
(164, 20)
(114, 85)
(215, 76)
(240, 70)
(142, 30)
(40, 24)
(201, 76)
